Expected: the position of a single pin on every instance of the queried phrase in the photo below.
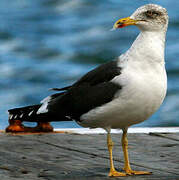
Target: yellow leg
(127, 167)
(113, 172)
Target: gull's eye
(151, 14)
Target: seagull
(119, 93)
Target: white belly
(142, 94)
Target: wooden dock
(73, 156)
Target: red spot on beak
(121, 25)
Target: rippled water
(51, 43)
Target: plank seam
(162, 136)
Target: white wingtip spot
(43, 108)
(30, 113)
(68, 117)
(10, 116)
(15, 117)
(21, 115)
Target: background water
(51, 43)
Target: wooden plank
(72, 156)
(147, 143)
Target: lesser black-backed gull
(117, 94)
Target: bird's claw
(131, 172)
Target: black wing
(92, 90)
(103, 73)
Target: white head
(150, 17)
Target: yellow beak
(124, 22)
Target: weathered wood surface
(72, 156)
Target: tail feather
(29, 113)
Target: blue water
(51, 43)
